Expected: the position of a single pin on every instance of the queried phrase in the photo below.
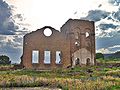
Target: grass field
(104, 77)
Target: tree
(99, 55)
(4, 59)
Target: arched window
(76, 35)
(88, 61)
(77, 43)
(77, 62)
(87, 34)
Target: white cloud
(115, 46)
(39, 13)
(108, 50)
(104, 51)
(114, 2)
(13, 41)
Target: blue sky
(18, 17)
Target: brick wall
(64, 40)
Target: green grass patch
(80, 78)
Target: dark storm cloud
(106, 42)
(19, 16)
(10, 43)
(114, 2)
(116, 15)
(107, 26)
(96, 15)
(111, 18)
(8, 26)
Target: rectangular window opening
(47, 57)
(58, 57)
(35, 56)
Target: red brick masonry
(75, 40)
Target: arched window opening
(77, 61)
(58, 57)
(88, 61)
(77, 43)
(76, 35)
(87, 34)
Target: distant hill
(113, 55)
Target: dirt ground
(30, 88)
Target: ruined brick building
(73, 45)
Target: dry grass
(64, 83)
(102, 78)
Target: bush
(5, 60)
(99, 55)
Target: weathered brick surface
(64, 40)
